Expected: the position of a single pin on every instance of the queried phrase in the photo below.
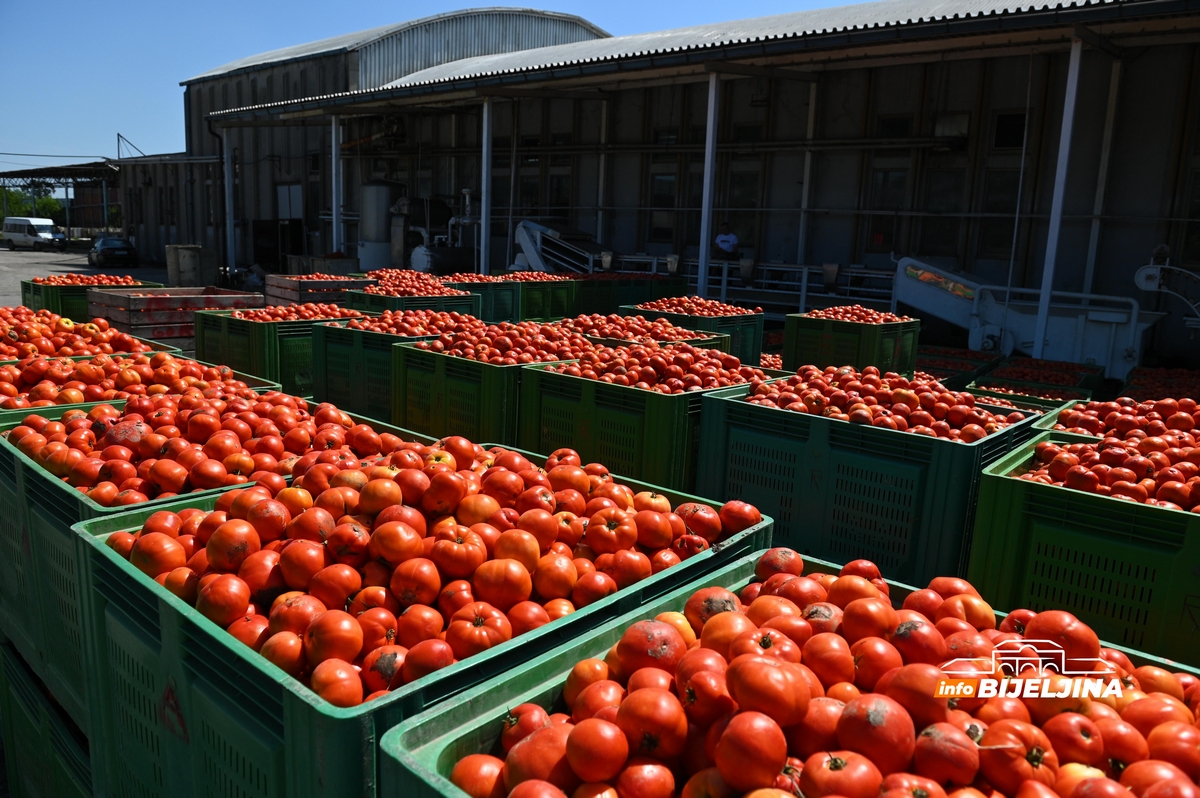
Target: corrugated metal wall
(461, 36)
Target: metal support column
(104, 191)
(335, 172)
(485, 189)
(67, 208)
(1110, 116)
(601, 172)
(230, 240)
(805, 191)
(710, 170)
(1056, 202)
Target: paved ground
(25, 264)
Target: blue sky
(78, 73)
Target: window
(1191, 236)
(894, 127)
(1000, 189)
(943, 194)
(560, 140)
(527, 194)
(314, 163)
(662, 195)
(888, 188)
(530, 142)
(558, 197)
(1009, 133)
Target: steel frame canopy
(66, 177)
(796, 46)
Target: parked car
(112, 251)
(28, 231)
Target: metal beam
(710, 174)
(230, 242)
(752, 71)
(601, 173)
(1056, 202)
(1093, 39)
(811, 130)
(541, 94)
(1110, 116)
(336, 175)
(485, 189)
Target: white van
(27, 231)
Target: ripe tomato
(597, 750)
(843, 773)
(1013, 751)
(479, 776)
(542, 756)
(654, 723)
(946, 755)
(338, 683)
(751, 751)
(477, 627)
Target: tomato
(919, 641)
(542, 756)
(751, 751)
(707, 602)
(907, 785)
(1178, 743)
(1012, 751)
(654, 723)
(1075, 739)
(520, 722)
(416, 581)
(426, 657)
(157, 553)
(704, 521)
(842, 773)
(914, 687)
(1144, 714)
(722, 629)
(479, 776)
(1140, 776)
(592, 587)
(338, 683)
(873, 657)
(597, 750)
(880, 729)
(285, 650)
(477, 627)
(594, 697)
(946, 754)
(381, 668)
(828, 656)
(502, 583)
(223, 600)
(611, 530)
(645, 778)
(650, 644)
(770, 686)
(868, 617)
(1123, 745)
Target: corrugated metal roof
(861, 16)
(353, 41)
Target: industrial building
(834, 142)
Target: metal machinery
(427, 235)
(1160, 275)
(1082, 328)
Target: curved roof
(856, 17)
(353, 41)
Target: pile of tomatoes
(405, 282)
(313, 276)
(813, 685)
(87, 279)
(24, 332)
(535, 277)
(410, 323)
(309, 311)
(469, 277)
(670, 370)
(889, 401)
(695, 306)
(1162, 471)
(856, 313)
(1025, 390)
(954, 352)
(1038, 364)
(949, 364)
(204, 438)
(1146, 382)
(1129, 418)
(630, 328)
(770, 361)
(508, 344)
(1069, 379)
(367, 575)
(45, 382)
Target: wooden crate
(287, 290)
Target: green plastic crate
(608, 294)
(377, 303)
(44, 754)
(69, 301)
(353, 368)
(280, 351)
(1127, 570)
(652, 436)
(418, 755)
(437, 394)
(826, 342)
(842, 491)
(718, 341)
(551, 300)
(1084, 394)
(184, 709)
(745, 332)
(498, 301)
(45, 623)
